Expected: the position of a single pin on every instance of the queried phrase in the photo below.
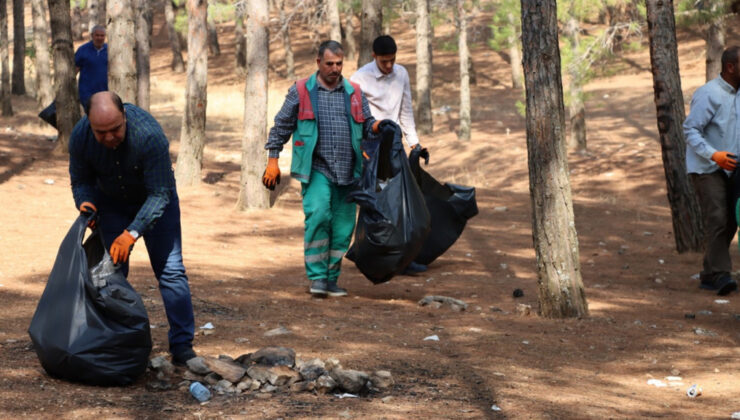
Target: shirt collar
(726, 86)
(379, 74)
(339, 86)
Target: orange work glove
(121, 247)
(376, 124)
(725, 160)
(271, 177)
(88, 207)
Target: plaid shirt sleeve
(369, 119)
(285, 124)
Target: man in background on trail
(388, 90)
(712, 147)
(120, 167)
(328, 117)
(91, 61)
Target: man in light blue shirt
(712, 146)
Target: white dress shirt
(389, 96)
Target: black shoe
(414, 268)
(725, 285)
(181, 357)
(333, 290)
(318, 288)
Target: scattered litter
(704, 312)
(656, 382)
(444, 299)
(277, 331)
(661, 261)
(49, 181)
(672, 378)
(689, 316)
(721, 301)
(695, 276)
(504, 266)
(345, 395)
(495, 408)
(447, 273)
(518, 293)
(500, 208)
(702, 331)
(432, 338)
(646, 233)
(474, 329)
(735, 415)
(468, 254)
(525, 342)
(693, 391)
(208, 326)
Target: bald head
(107, 119)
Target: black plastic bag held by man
(449, 205)
(90, 325)
(393, 220)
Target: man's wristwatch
(134, 233)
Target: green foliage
(350, 5)
(506, 24)
(701, 12)
(221, 12)
(449, 45)
(582, 10)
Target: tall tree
(251, 192)
(44, 93)
(77, 21)
(65, 84)
(506, 30)
(561, 291)
(576, 81)
(285, 35)
(213, 45)
(93, 17)
(423, 104)
(685, 210)
(177, 65)
(335, 27)
(240, 41)
(19, 49)
(372, 25)
(143, 45)
(121, 32)
(7, 107)
(464, 55)
(348, 40)
(193, 131)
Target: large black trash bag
(450, 207)
(394, 220)
(49, 114)
(90, 325)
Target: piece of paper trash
(432, 338)
(735, 415)
(345, 395)
(721, 301)
(208, 326)
(672, 378)
(656, 382)
(495, 408)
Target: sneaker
(726, 285)
(318, 288)
(414, 268)
(180, 358)
(333, 290)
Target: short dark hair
(730, 56)
(332, 46)
(384, 45)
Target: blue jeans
(164, 245)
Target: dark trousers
(164, 245)
(714, 192)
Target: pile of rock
(268, 370)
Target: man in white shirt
(388, 90)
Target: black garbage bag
(49, 114)
(90, 325)
(393, 220)
(449, 205)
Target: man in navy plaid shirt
(120, 166)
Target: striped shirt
(333, 155)
(138, 171)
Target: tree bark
(514, 54)
(121, 34)
(348, 42)
(561, 291)
(240, 42)
(213, 45)
(715, 45)
(576, 107)
(7, 107)
(464, 54)
(423, 105)
(178, 65)
(44, 93)
(335, 27)
(251, 192)
(285, 30)
(193, 132)
(372, 24)
(65, 84)
(685, 210)
(77, 21)
(143, 46)
(92, 14)
(19, 49)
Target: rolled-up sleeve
(285, 124)
(406, 114)
(702, 112)
(369, 119)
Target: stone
(255, 385)
(274, 356)
(274, 375)
(223, 386)
(161, 364)
(244, 385)
(331, 364)
(263, 395)
(269, 388)
(262, 374)
(190, 376)
(225, 357)
(244, 360)
(523, 309)
(381, 379)
(230, 371)
(427, 300)
(349, 380)
(277, 331)
(312, 369)
(158, 385)
(325, 384)
(212, 378)
(198, 365)
(387, 399)
(302, 386)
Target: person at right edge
(712, 147)
(328, 117)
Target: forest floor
(246, 268)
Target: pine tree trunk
(178, 65)
(285, 29)
(240, 42)
(193, 132)
(372, 21)
(19, 49)
(561, 291)
(251, 192)
(44, 93)
(7, 107)
(715, 40)
(464, 54)
(514, 54)
(213, 46)
(423, 104)
(65, 84)
(576, 108)
(77, 21)
(121, 33)
(143, 46)
(349, 43)
(335, 27)
(685, 211)
(92, 15)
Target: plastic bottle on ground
(200, 392)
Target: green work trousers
(329, 223)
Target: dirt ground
(246, 269)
